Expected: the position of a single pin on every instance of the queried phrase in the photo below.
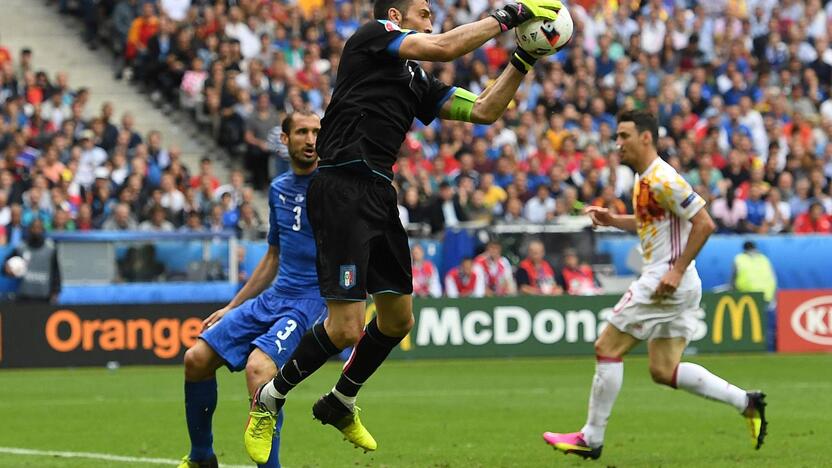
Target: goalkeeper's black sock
(370, 351)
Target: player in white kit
(660, 307)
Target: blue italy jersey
(289, 230)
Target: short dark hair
(381, 6)
(644, 122)
(290, 119)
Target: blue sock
(200, 403)
(274, 455)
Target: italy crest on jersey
(347, 279)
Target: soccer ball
(17, 266)
(542, 37)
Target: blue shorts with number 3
(270, 322)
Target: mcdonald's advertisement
(804, 321)
(33, 335)
(565, 325)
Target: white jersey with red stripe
(498, 275)
(664, 203)
(426, 279)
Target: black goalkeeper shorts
(362, 246)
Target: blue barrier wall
(800, 262)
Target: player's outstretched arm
(261, 279)
(463, 39)
(489, 105)
(602, 217)
(449, 45)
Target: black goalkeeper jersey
(376, 96)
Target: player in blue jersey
(260, 328)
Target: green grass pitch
(473, 413)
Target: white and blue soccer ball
(541, 37)
(17, 266)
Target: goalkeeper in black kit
(362, 247)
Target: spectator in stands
(568, 204)
(801, 200)
(465, 280)
(234, 187)
(157, 154)
(540, 208)
(52, 166)
(9, 187)
(141, 30)
(157, 221)
(576, 278)
(62, 221)
(493, 194)
(83, 220)
(150, 203)
(128, 123)
(499, 278)
(193, 84)
(814, 221)
(5, 209)
(535, 275)
(193, 222)
(172, 199)
(756, 209)
(730, 213)
(102, 202)
(721, 121)
(36, 206)
(426, 281)
(778, 214)
(124, 13)
(416, 211)
(513, 212)
(230, 213)
(5, 56)
(206, 176)
(215, 222)
(92, 157)
(609, 201)
(258, 154)
(120, 219)
(249, 225)
(446, 210)
(15, 231)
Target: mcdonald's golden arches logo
(736, 310)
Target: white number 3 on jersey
(297, 210)
(291, 325)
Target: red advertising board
(804, 320)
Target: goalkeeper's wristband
(522, 60)
(511, 15)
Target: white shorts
(636, 314)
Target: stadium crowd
(70, 168)
(741, 89)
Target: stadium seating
(745, 112)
